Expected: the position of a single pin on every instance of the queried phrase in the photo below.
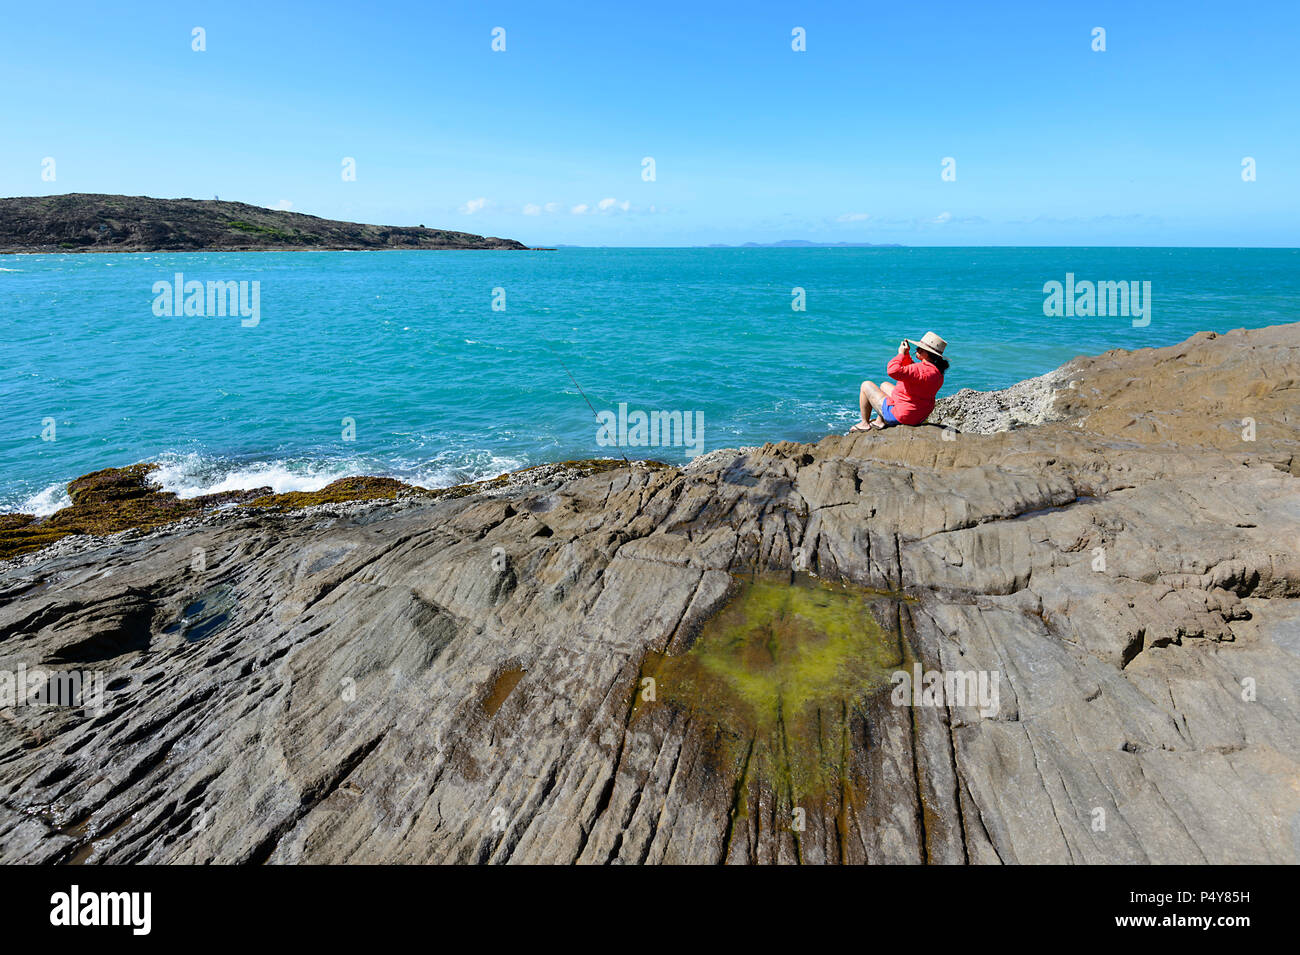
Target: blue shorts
(887, 414)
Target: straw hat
(931, 343)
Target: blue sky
(1055, 144)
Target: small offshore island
(87, 222)
(602, 663)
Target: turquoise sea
(440, 387)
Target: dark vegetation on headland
(85, 222)
(120, 499)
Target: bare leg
(869, 397)
(887, 389)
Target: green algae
(342, 491)
(106, 502)
(775, 678)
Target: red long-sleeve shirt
(918, 383)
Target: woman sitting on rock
(912, 399)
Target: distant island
(86, 222)
(805, 244)
(783, 244)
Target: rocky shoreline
(120, 504)
(656, 665)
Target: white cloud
(853, 217)
(284, 204)
(473, 206)
(941, 218)
(608, 206)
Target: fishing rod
(588, 400)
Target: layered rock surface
(466, 679)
